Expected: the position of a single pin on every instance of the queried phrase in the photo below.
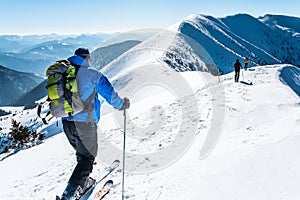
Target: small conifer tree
(21, 134)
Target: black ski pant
(83, 138)
(237, 75)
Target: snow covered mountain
(265, 40)
(285, 23)
(14, 84)
(242, 35)
(205, 43)
(189, 133)
(259, 138)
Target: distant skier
(237, 67)
(81, 128)
(246, 61)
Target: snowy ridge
(287, 23)
(221, 42)
(251, 151)
(190, 133)
(291, 76)
(238, 36)
(208, 34)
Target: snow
(291, 76)
(11, 108)
(256, 155)
(190, 135)
(239, 36)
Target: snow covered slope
(189, 133)
(255, 155)
(241, 35)
(287, 23)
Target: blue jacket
(88, 81)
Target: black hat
(83, 52)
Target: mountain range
(188, 132)
(265, 40)
(34, 53)
(198, 42)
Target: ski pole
(243, 75)
(124, 142)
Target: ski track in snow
(255, 158)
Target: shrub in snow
(18, 137)
(21, 134)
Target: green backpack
(62, 89)
(63, 96)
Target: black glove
(126, 103)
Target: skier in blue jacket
(81, 128)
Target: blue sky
(23, 17)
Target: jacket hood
(79, 61)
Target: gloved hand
(126, 103)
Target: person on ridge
(81, 128)
(246, 61)
(237, 67)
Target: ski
(104, 190)
(109, 170)
(247, 83)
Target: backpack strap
(66, 92)
(89, 106)
(44, 119)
